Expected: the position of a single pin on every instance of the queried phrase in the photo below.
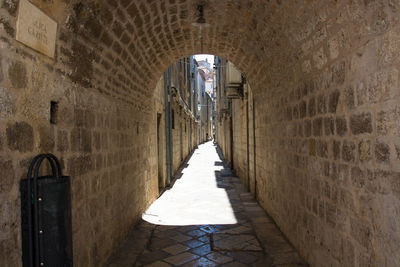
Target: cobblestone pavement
(207, 218)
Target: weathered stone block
(46, 135)
(80, 165)
(65, 116)
(11, 6)
(311, 107)
(364, 150)
(295, 112)
(315, 206)
(117, 28)
(20, 136)
(62, 141)
(97, 140)
(7, 177)
(336, 149)
(75, 139)
(382, 152)
(333, 171)
(322, 148)
(1, 71)
(346, 200)
(357, 177)
(7, 102)
(321, 104)
(289, 113)
(341, 125)
(333, 47)
(339, 72)
(348, 97)
(360, 232)
(99, 162)
(17, 74)
(7, 25)
(319, 58)
(94, 27)
(106, 39)
(81, 62)
(333, 101)
(311, 147)
(330, 211)
(329, 126)
(300, 130)
(86, 140)
(307, 128)
(348, 151)
(383, 122)
(303, 109)
(361, 123)
(394, 179)
(317, 127)
(348, 253)
(378, 87)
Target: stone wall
(325, 81)
(327, 136)
(243, 138)
(101, 143)
(180, 136)
(327, 132)
(103, 130)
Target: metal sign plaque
(36, 29)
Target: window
(53, 112)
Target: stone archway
(325, 79)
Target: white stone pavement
(206, 219)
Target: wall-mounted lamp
(201, 21)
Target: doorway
(181, 140)
(159, 154)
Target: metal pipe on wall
(254, 149)
(168, 123)
(247, 141)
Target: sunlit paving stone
(219, 258)
(158, 264)
(176, 249)
(181, 258)
(206, 219)
(203, 262)
(195, 198)
(235, 242)
(194, 243)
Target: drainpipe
(248, 138)
(171, 161)
(254, 149)
(168, 123)
(166, 112)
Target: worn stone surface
(182, 228)
(109, 58)
(7, 102)
(17, 74)
(20, 136)
(318, 185)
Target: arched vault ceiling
(139, 39)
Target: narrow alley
(207, 218)
(200, 133)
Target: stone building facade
(235, 124)
(325, 82)
(205, 103)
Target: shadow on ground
(253, 240)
